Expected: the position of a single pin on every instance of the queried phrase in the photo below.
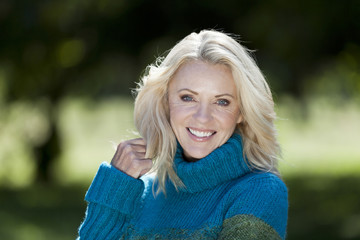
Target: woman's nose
(203, 113)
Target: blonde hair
(151, 113)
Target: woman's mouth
(201, 134)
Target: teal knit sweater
(223, 199)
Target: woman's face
(204, 109)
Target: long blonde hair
(151, 113)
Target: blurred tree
(98, 48)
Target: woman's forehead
(200, 75)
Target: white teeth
(200, 134)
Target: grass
(323, 207)
(322, 140)
(41, 212)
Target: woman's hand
(130, 158)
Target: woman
(206, 165)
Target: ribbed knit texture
(223, 199)
(220, 166)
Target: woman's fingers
(139, 168)
(130, 158)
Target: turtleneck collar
(223, 164)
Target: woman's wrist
(115, 189)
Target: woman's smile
(203, 135)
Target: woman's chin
(195, 156)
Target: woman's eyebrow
(189, 90)
(196, 93)
(225, 94)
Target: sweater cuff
(115, 189)
(101, 223)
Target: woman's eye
(223, 102)
(187, 98)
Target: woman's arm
(115, 192)
(112, 201)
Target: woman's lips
(201, 133)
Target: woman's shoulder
(260, 188)
(264, 181)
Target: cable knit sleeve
(259, 209)
(112, 199)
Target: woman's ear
(239, 119)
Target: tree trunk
(47, 153)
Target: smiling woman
(208, 148)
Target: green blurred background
(66, 73)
